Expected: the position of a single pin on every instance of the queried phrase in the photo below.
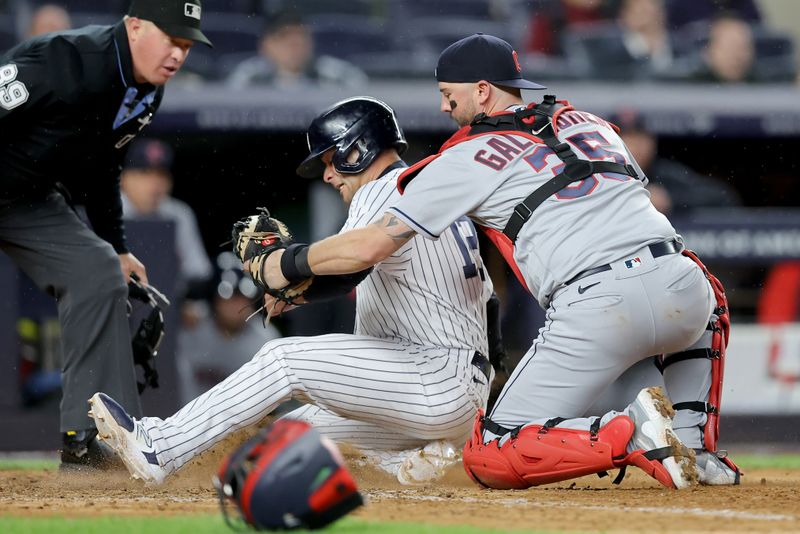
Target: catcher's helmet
(287, 477)
(362, 123)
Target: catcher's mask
(150, 333)
(287, 477)
(364, 124)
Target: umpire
(69, 104)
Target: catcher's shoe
(428, 464)
(713, 471)
(652, 414)
(127, 437)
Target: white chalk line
(722, 513)
(108, 499)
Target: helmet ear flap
(343, 160)
(361, 122)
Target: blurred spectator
(645, 33)
(549, 19)
(729, 54)
(146, 184)
(286, 59)
(223, 341)
(48, 18)
(684, 12)
(675, 189)
(637, 45)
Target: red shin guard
(536, 455)
(719, 341)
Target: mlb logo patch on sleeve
(633, 263)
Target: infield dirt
(767, 501)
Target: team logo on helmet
(516, 60)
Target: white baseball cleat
(714, 472)
(127, 437)
(652, 414)
(428, 464)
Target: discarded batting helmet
(287, 477)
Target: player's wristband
(294, 263)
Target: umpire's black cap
(482, 57)
(177, 18)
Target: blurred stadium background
(727, 143)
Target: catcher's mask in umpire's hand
(287, 477)
(150, 333)
(364, 124)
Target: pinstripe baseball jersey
(408, 376)
(589, 223)
(428, 293)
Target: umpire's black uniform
(69, 104)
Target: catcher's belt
(673, 246)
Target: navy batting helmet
(364, 124)
(287, 477)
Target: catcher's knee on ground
(540, 454)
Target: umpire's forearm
(351, 251)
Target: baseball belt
(673, 246)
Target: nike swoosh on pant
(582, 290)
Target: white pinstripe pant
(408, 394)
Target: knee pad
(538, 454)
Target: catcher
(404, 387)
(611, 271)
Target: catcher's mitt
(254, 239)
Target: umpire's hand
(130, 264)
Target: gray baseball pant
(48, 241)
(590, 339)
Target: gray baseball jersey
(589, 223)
(404, 378)
(640, 306)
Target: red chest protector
(538, 123)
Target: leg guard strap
(499, 430)
(697, 406)
(655, 454)
(694, 354)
